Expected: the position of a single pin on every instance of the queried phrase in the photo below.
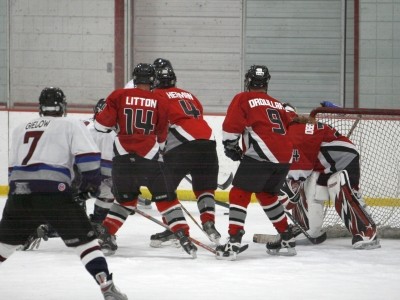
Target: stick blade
(227, 183)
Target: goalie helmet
(52, 102)
(99, 106)
(161, 63)
(257, 77)
(144, 74)
(165, 78)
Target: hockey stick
(167, 227)
(262, 238)
(198, 225)
(222, 186)
(193, 219)
(297, 229)
(224, 204)
(315, 241)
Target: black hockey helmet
(160, 63)
(144, 73)
(52, 102)
(257, 77)
(165, 77)
(99, 106)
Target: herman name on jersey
(264, 102)
(179, 95)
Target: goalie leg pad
(348, 205)
(309, 212)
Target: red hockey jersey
(318, 147)
(262, 121)
(186, 121)
(140, 118)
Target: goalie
(326, 166)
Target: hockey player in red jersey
(42, 156)
(159, 63)
(330, 163)
(141, 120)
(190, 149)
(265, 156)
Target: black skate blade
(243, 248)
(220, 255)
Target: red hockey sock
(172, 214)
(206, 204)
(113, 222)
(238, 202)
(274, 210)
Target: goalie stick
(222, 186)
(142, 213)
(267, 238)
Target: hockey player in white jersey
(41, 159)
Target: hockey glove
(232, 149)
(90, 185)
(34, 239)
(289, 194)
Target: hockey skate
(286, 241)
(362, 242)
(186, 244)
(108, 242)
(165, 238)
(110, 292)
(232, 248)
(213, 234)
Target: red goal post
(376, 134)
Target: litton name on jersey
(264, 102)
(141, 101)
(37, 124)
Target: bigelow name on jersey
(44, 150)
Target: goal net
(376, 134)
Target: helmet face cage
(99, 106)
(52, 102)
(257, 77)
(165, 78)
(144, 74)
(161, 63)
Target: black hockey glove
(85, 185)
(90, 185)
(90, 191)
(232, 149)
